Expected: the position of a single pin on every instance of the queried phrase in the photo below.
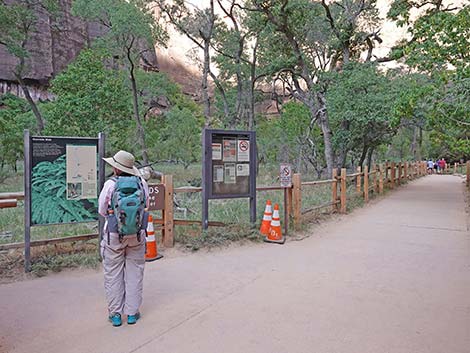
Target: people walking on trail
(430, 166)
(436, 166)
(442, 165)
(123, 202)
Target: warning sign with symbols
(285, 175)
(243, 154)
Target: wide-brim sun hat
(123, 161)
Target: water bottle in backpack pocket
(127, 215)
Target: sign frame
(239, 186)
(28, 166)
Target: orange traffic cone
(151, 252)
(275, 232)
(267, 217)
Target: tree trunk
(239, 103)
(369, 157)
(414, 143)
(327, 134)
(341, 162)
(206, 68)
(251, 116)
(419, 156)
(32, 104)
(223, 95)
(204, 85)
(135, 103)
(363, 155)
(251, 108)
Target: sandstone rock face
(53, 45)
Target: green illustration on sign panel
(49, 202)
(63, 181)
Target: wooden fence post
(358, 181)
(392, 175)
(343, 190)
(366, 184)
(399, 173)
(386, 173)
(406, 171)
(402, 172)
(376, 180)
(381, 179)
(168, 222)
(334, 189)
(297, 199)
(290, 206)
(455, 168)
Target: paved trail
(393, 277)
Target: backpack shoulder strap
(114, 197)
(141, 186)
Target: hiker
(123, 242)
(442, 165)
(430, 165)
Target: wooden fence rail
(376, 180)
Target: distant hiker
(123, 202)
(442, 165)
(436, 166)
(430, 165)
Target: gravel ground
(392, 277)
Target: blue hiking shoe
(132, 319)
(115, 319)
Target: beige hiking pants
(123, 264)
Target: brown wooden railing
(367, 181)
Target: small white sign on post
(285, 175)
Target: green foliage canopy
(14, 119)
(91, 98)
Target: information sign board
(230, 160)
(156, 197)
(229, 169)
(64, 179)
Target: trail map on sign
(81, 172)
